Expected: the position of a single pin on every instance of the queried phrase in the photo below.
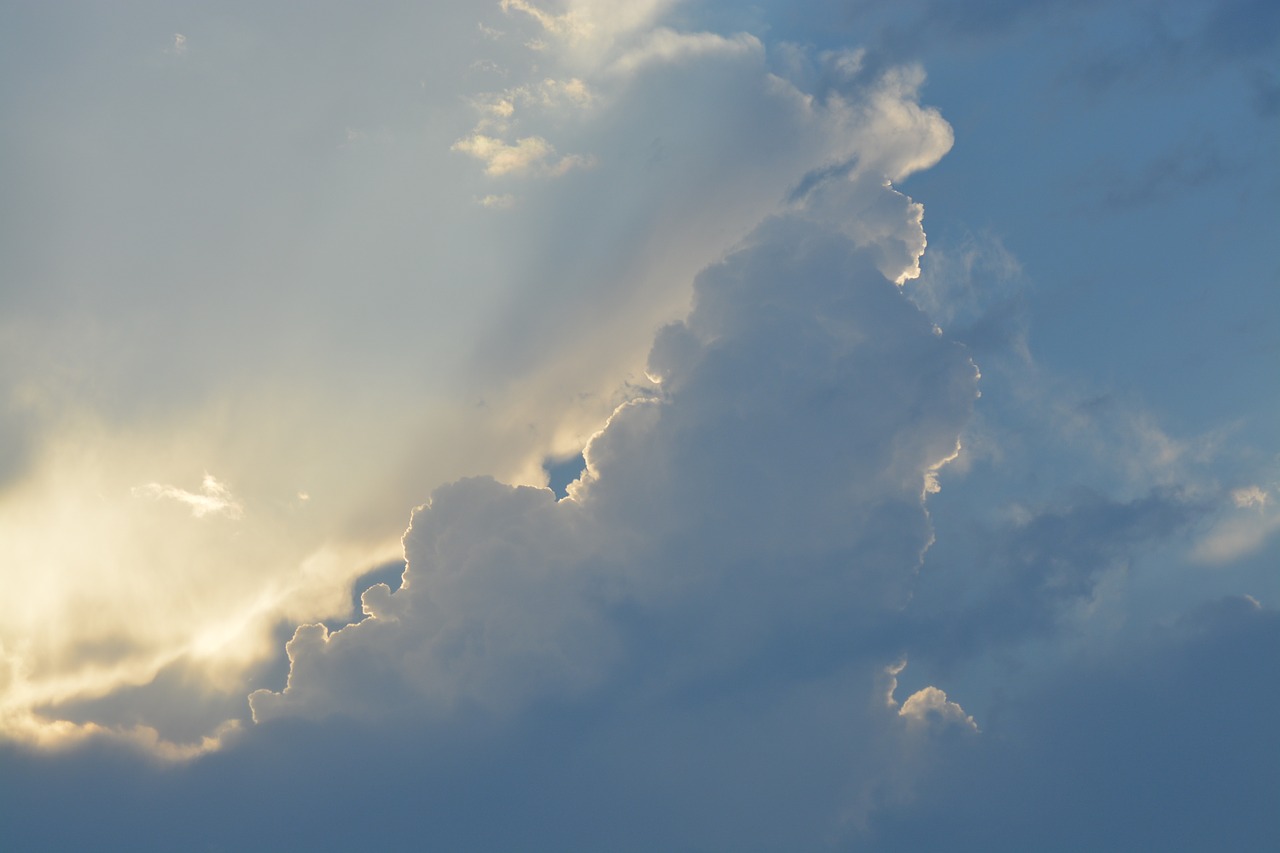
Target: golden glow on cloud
(528, 154)
(214, 498)
(113, 582)
(56, 735)
(1241, 533)
(182, 495)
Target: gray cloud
(739, 631)
(1165, 745)
(679, 648)
(770, 496)
(1021, 579)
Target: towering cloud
(456, 292)
(727, 579)
(766, 500)
(267, 285)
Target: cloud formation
(808, 591)
(408, 299)
(214, 498)
(768, 496)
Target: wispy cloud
(214, 498)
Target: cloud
(570, 24)
(379, 323)
(1153, 746)
(1241, 533)
(589, 27)
(350, 310)
(700, 630)
(506, 201)
(1039, 572)
(664, 45)
(1250, 496)
(777, 475)
(355, 273)
(1185, 167)
(930, 706)
(530, 154)
(214, 498)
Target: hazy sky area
(967, 542)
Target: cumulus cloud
(700, 645)
(772, 485)
(930, 706)
(571, 24)
(380, 276)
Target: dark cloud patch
(1242, 29)
(1168, 746)
(752, 770)
(1107, 754)
(1025, 575)
(1162, 48)
(1160, 180)
(1266, 92)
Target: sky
(667, 425)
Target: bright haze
(545, 425)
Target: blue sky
(922, 358)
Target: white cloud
(501, 158)
(1250, 496)
(214, 498)
(505, 201)
(570, 24)
(531, 154)
(1241, 533)
(930, 706)
(591, 25)
(664, 46)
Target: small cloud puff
(1240, 533)
(1251, 496)
(531, 154)
(931, 707)
(505, 201)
